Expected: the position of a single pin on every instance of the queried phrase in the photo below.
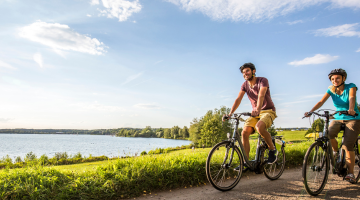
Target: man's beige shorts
(266, 116)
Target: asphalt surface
(257, 186)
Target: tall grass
(121, 178)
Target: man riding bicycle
(344, 99)
(263, 109)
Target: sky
(102, 64)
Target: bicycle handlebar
(238, 115)
(330, 115)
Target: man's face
(247, 73)
(336, 80)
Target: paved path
(257, 186)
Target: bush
(30, 157)
(143, 153)
(44, 160)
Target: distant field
(288, 136)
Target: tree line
(170, 133)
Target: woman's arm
(319, 104)
(352, 97)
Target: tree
(194, 131)
(175, 132)
(211, 118)
(185, 132)
(160, 133)
(167, 133)
(318, 125)
(272, 130)
(211, 132)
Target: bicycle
(225, 156)
(316, 165)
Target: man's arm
(260, 101)
(237, 102)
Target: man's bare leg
(261, 128)
(247, 131)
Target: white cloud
(133, 77)
(94, 2)
(346, 30)
(38, 59)
(345, 3)
(295, 22)
(146, 106)
(5, 65)
(358, 50)
(88, 15)
(61, 38)
(254, 10)
(120, 9)
(317, 59)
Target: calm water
(20, 144)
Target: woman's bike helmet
(337, 72)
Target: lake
(20, 144)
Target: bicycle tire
(219, 171)
(275, 170)
(316, 167)
(357, 161)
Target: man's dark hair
(247, 65)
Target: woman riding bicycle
(344, 99)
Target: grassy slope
(123, 178)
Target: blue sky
(91, 64)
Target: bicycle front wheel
(223, 158)
(315, 169)
(275, 170)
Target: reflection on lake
(20, 144)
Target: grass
(125, 178)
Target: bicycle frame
(327, 144)
(236, 136)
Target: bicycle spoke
(220, 172)
(275, 170)
(315, 169)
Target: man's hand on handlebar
(226, 117)
(255, 113)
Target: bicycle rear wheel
(315, 169)
(357, 161)
(223, 158)
(275, 170)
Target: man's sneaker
(238, 168)
(272, 156)
(350, 178)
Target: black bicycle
(316, 165)
(225, 156)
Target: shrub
(43, 160)
(30, 157)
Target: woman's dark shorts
(352, 130)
